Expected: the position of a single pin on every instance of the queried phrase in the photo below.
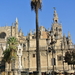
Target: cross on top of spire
(55, 19)
(54, 8)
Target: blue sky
(10, 9)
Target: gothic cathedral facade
(48, 51)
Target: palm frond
(7, 56)
(12, 41)
(34, 3)
(10, 52)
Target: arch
(2, 35)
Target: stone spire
(65, 42)
(30, 32)
(55, 19)
(16, 20)
(20, 30)
(69, 41)
(69, 36)
(16, 27)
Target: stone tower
(16, 29)
(56, 27)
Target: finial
(16, 20)
(30, 32)
(55, 19)
(20, 30)
(54, 8)
(34, 32)
(69, 34)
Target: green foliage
(7, 56)
(12, 41)
(10, 52)
(70, 57)
(35, 3)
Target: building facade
(52, 44)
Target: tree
(70, 57)
(73, 58)
(12, 42)
(10, 52)
(35, 5)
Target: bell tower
(56, 26)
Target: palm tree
(35, 5)
(12, 42)
(7, 56)
(10, 52)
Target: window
(56, 28)
(3, 35)
(33, 37)
(33, 55)
(60, 29)
(19, 50)
(56, 21)
(59, 58)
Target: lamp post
(52, 43)
(53, 51)
(35, 5)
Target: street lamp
(35, 5)
(52, 43)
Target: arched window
(60, 29)
(56, 28)
(3, 35)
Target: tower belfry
(55, 19)
(56, 26)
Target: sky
(10, 9)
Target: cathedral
(52, 44)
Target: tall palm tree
(35, 5)
(10, 52)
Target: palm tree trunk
(73, 66)
(9, 67)
(68, 66)
(37, 43)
